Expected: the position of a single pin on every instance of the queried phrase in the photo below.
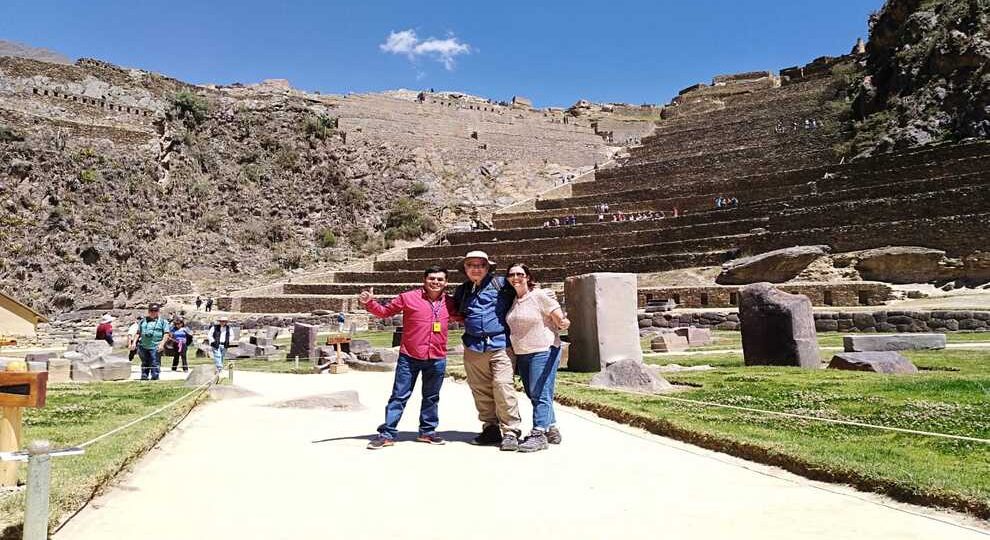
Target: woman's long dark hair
(530, 282)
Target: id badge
(436, 326)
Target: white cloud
(406, 42)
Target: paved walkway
(242, 469)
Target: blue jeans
(539, 374)
(150, 363)
(406, 371)
(218, 357)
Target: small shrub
(407, 221)
(326, 238)
(189, 107)
(320, 126)
(89, 176)
(354, 197)
(9, 135)
(418, 188)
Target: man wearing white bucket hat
(104, 330)
(483, 301)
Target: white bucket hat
(106, 318)
(477, 254)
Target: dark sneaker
(490, 436)
(536, 441)
(553, 435)
(510, 443)
(380, 442)
(431, 438)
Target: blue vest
(484, 313)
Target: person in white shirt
(219, 335)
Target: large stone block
(82, 371)
(696, 337)
(778, 328)
(893, 342)
(775, 266)
(115, 368)
(93, 349)
(303, 342)
(875, 361)
(604, 328)
(631, 375)
(59, 370)
(200, 375)
(669, 342)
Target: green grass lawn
(75, 413)
(950, 395)
(733, 340)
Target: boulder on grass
(875, 361)
(775, 266)
(388, 356)
(631, 375)
(200, 375)
(893, 342)
(778, 328)
(696, 337)
(669, 342)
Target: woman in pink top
(426, 311)
(535, 321)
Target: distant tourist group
(726, 202)
(151, 336)
(504, 317)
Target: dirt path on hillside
(243, 469)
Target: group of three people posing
(502, 317)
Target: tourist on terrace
(151, 335)
(104, 330)
(483, 301)
(209, 304)
(219, 335)
(340, 322)
(535, 322)
(182, 338)
(199, 302)
(426, 312)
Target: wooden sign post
(18, 389)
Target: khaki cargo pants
(489, 375)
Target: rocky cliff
(927, 74)
(119, 185)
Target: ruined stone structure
(767, 144)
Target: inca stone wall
(838, 321)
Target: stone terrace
(792, 192)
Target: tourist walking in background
(199, 302)
(426, 312)
(132, 332)
(209, 304)
(535, 322)
(340, 322)
(181, 337)
(104, 330)
(219, 336)
(484, 301)
(151, 335)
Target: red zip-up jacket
(419, 341)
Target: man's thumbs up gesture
(367, 296)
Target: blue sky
(553, 52)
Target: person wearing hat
(219, 335)
(104, 330)
(152, 332)
(484, 300)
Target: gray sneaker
(510, 443)
(553, 435)
(536, 441)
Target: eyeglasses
(517, 274)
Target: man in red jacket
(425, 314)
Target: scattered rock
(696, 337)
(388, 356)
(200, 375)
(669, 342)
(346, 400)
(875, 361)
(631, 375)
(893, 342)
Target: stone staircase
(792, 191)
